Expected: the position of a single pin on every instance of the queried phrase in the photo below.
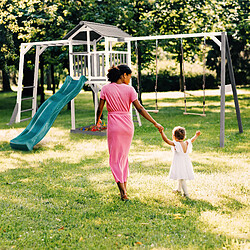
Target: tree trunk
(53, 79)
(6, 79)
(48, 77)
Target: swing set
(156, 110)
(225, 60)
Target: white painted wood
(71, 73)
(172, 36)
(216, 40)
(95, 87)
(35, 83)
(94, 60)
(24, 49)
(222, 89)
(88, 51)
(71, 69)
(106, 55)
(53, 43)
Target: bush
(168, 82)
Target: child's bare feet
(175, 191)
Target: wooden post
(34, 102)
(94, 60)
(71, 73)
(106, 55)
(232, 80)
(222, 89)
(111, 55)
(89, 56)
(23, 51)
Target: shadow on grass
(199, 205)
(59, 203)
(232, 204)
(5, 147)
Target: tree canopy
(35, 20)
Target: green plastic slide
(46, 114)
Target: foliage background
(35, 20)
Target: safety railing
(97, 63)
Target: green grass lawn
(63, 195)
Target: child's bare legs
(179, 185)
(178, 190)
(182, 185)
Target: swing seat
(186, 113)
(152, 110)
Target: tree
(179, 17)
(233, 17)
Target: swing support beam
(225, 57)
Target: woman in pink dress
(119, 95)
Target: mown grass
(62, 194)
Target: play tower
(92, 51)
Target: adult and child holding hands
(118, 96)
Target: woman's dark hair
(179, 133)
(115, 72)
(124, 69)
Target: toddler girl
(181, 168)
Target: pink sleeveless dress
(120, 129)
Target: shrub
(168, 82)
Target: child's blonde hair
(179, 133)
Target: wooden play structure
(90, 62)
(99, 53)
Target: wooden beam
(222, 89)
(176, 36)
(232, 80)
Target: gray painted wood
(232, 80)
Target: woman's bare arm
(146, 115)
(99, 111)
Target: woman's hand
(159, 127)
(98, 124)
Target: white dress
(181, 167)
